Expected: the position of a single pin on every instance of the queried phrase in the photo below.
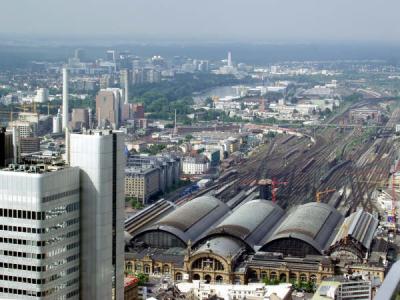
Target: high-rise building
(24, 128)
(39, 225)
(108, 104)
(6, 147)
(125, 83)
(100, 156)
(80, 118)
(111, 55)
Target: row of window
(43, 293)
(39, 230)
(23, 267)
(22, 292)
(22, 254)
(22, 279)
(72, 294)
(22, 242)
(60, 195)
(22, 214)
(39, 215)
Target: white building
(42, 95)
(24, 128)
(100, 156)
(57, 123)
(39, 223)
(256, 291)
(195, 165)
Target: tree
(189, 137)
(143, 278)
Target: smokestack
(65, 99)
(126, 86)
(229, 59)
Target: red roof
(130, 280)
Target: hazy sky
(232, 20)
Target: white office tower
(65, 99)
(57, 123)
(39, 225)
(100, 156)
(229, 59)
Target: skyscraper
(6, 147)
(125, 83)
(39, 225)
(108, 106)
(99, 154)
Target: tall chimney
(65, 99)
(126, 86)
(229, 59)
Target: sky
(263, 21)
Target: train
(332, 170)
(307, 165)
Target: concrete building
(39, 221)
(195, 165)
(108, 106)
(256, 291)
(80, 118)
(29, 145)
(24, 128)
(57, 123)
(99, 154)
(42, 95)
(390, 288)
(344, 288)
(125, 84)
(6, 147)
(142, 183)
(169, 168)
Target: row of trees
(307, 286)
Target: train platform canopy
(307, 230)
(361, 226)
(185, 223)
(250, 222)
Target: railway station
(205, 239)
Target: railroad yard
(341, 162)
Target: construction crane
(319, 194)
(275, 185)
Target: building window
(128, 267)
(178, 276)
(146, 269)
(166, 269)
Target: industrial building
(207, 239)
